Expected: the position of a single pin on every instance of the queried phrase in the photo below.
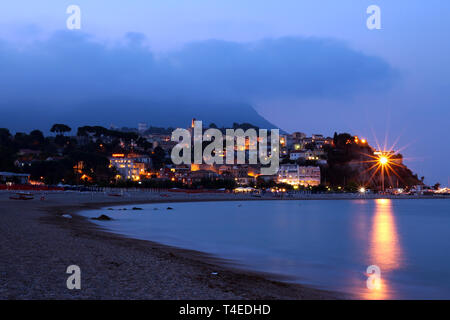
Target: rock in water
(103, 217)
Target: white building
(302, 154)
(130, 167)
(299, 175)
(142, 127)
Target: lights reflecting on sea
(384, 247)
(327, 244)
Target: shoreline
(213, 262)
(38, 244)
(127, 266)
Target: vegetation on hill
(83, 158)
(351, 163)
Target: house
(245, 180)
(130, 167)
(299, 175)
(298, 135)
(197, 176)
(302, 154)
(19, 178)
(162, 140)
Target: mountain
(128, 113)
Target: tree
(92, 164)
(343, 140)
(7, 151)
(37, 137)
(37, 134)
(437, 186)
(52, 172)
(158, 156)
(60, 129)
(144, 144)
(244, 126)
(310, 146)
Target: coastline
(38, 244)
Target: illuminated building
(299, 175)
(306, 154)
(130, 167)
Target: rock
(169, 208)
(136, 208)
(103, 217)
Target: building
(197, 176)
(298, 136)
(130, 167)
(162, 140)
(15, 178)
(303, 154)
(299, 175)
(283, 140)
(142, 127)
(289, 141)
(319, 137)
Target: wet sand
(38, 244)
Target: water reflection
(385, 250)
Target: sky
(310, 66)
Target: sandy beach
(38, 244)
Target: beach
(38, 244)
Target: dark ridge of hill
(128, 113)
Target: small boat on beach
(114, 194)
(22, 196)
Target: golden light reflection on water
(385, 250)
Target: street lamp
(383, 161)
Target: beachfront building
(199, 175)
(130, 167)
(299, 175)
(14, 178)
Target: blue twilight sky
(309, 66)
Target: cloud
(284, 67)
(71, 69)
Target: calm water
(324, 243)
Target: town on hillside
(94, 156)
